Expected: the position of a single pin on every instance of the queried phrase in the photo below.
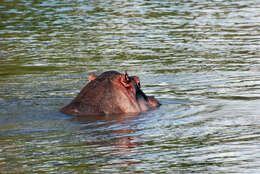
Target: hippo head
(111, 93)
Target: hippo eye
(137, 81)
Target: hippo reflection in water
(111, 93)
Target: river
(200, 58)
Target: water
(199, 58)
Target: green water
(201, 59)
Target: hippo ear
(125, 79)
(92, 77)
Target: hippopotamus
(111, 93)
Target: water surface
(199, 58)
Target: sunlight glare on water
(199, 58)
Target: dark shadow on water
(102, 118)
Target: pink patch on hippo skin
(76, 110)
